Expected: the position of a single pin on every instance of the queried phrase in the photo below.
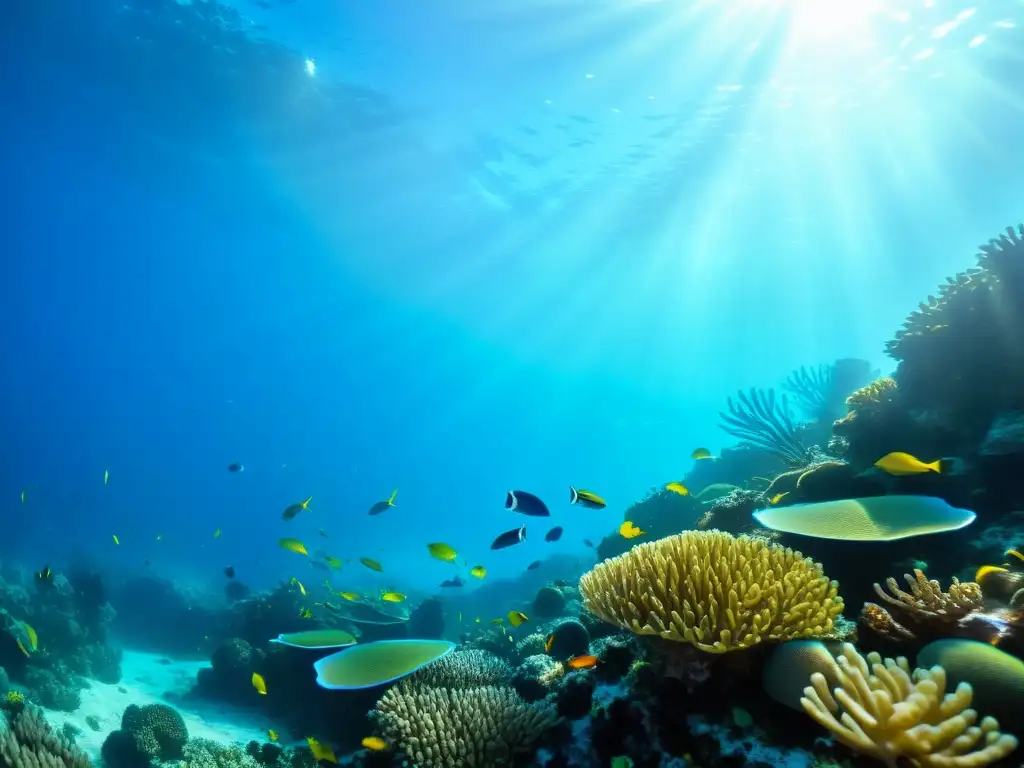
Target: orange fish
(582, 662)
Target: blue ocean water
(452, 248)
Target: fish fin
(574, 495)
(935, 466)
(511, 502)
(1014, 553)
(522, 533)
(391, 499)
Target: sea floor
(149, 678)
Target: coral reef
(472, 727)
(715, 591)
(28, 741)
(888, 713)
(548, 603)
(158, 730)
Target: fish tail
(574, 495)
(391, 500)
(522, 533)
(1014, 553)
(510, 500)
(935, 466)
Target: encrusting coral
(28, 741)
(474, 727)
(889, 713)
(718, 592)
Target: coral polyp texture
(715, 591)
(881, 709)
(27, 741)
(473, 727)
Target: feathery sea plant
(765, 424)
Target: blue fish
(526, 503)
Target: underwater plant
(925, 610)
(763, 423)
(715, 591)
(821, 392)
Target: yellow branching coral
(875, 393)
(473, 727)
(29, 742)
(715, 591)
(888, 713)
(927, 599)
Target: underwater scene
(559, 383)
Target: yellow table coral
(713, 590)
(888, 713)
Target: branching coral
(715, 591)
(973, 327)
(761, 422)
(474, 727)
(925, 609)
(888, 713)
(29, 742)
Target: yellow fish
(777, 498)
(516, 618)
(375, 743)
(305, 613)
(679, 488)
(298, 584)
(476, 620)
(1014, 553)
(272, 734)
(393, 597)
(259, 683)
(373, 565)
(33, 638)
(106, 476)
(333, 562)
(497, 621)
(21, 647)
(116, 540)
(320, 751)
(216, 534)
(549, 643)
(294, 509)
(384, 506)
(700, 453)
(349, 595)
(442, 551)
(293, 545)
(478, 571)
(629, 531)
(985, 570)
(898, 463)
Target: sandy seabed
(148, 678)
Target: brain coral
(716, 591)
(159, 730)
(474, 728)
